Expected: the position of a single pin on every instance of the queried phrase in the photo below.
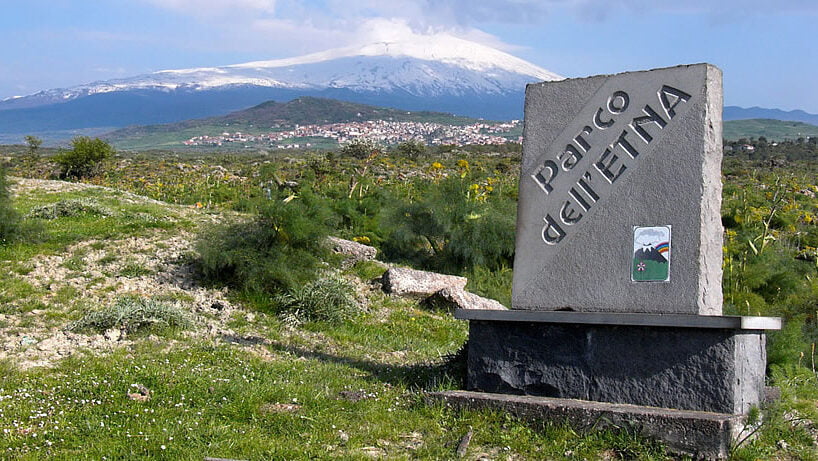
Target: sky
(766, 49)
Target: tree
(85, 157)
(411, 149)
(361, 148)
(32, 154)
(33, 143)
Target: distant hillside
(742, 113)
(271, 116)
(776, 130)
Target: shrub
(411, 149)
(69, 207)
(788, 345)
(328, 299)
(281, 249)
(132, 314)
(84, 159)
(361, 148)
(9, 219)
(454, 227)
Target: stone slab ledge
(694, 433)
(730, 322)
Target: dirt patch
(93, 273)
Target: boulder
(456, 298)
(354, 251)
(415, 283)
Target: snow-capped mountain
(432, 72)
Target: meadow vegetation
(302, 367)
(9, 219)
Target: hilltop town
(382, 131)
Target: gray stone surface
(717, 370)
(672, 179)
(410, 282)
(456, 298)
(608, 318)
(698, 434)
(354, 251)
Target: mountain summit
(437, 72)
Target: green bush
(788, 345)
(85, 157)
(9, 219)
(278, 251)
(132, 314)
(410, 149)
(453, 227)
(328, 299)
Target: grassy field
(236, 380)
(773, 130)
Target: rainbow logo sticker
(651, 254)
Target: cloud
(281, 28)
(722, 9)
(215, 7)
(300, 26)
(650, 236)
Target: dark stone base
(717, 370)
(698, 434)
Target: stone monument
(617, 297)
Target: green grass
(133, 269)
(130, 219)
(211, 399)
(225, 394)
(773, 130)
(651, 271)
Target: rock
(343, 437)
(411, 282)
(48, 344)
(455, 298)
(353, 250)
(463, 446)
(142, 394)
(114, 334)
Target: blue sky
(767, 49)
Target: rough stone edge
(426, 290)
(453, 299)
(698, 434)
(711, 232)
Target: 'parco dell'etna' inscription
(608, 160)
